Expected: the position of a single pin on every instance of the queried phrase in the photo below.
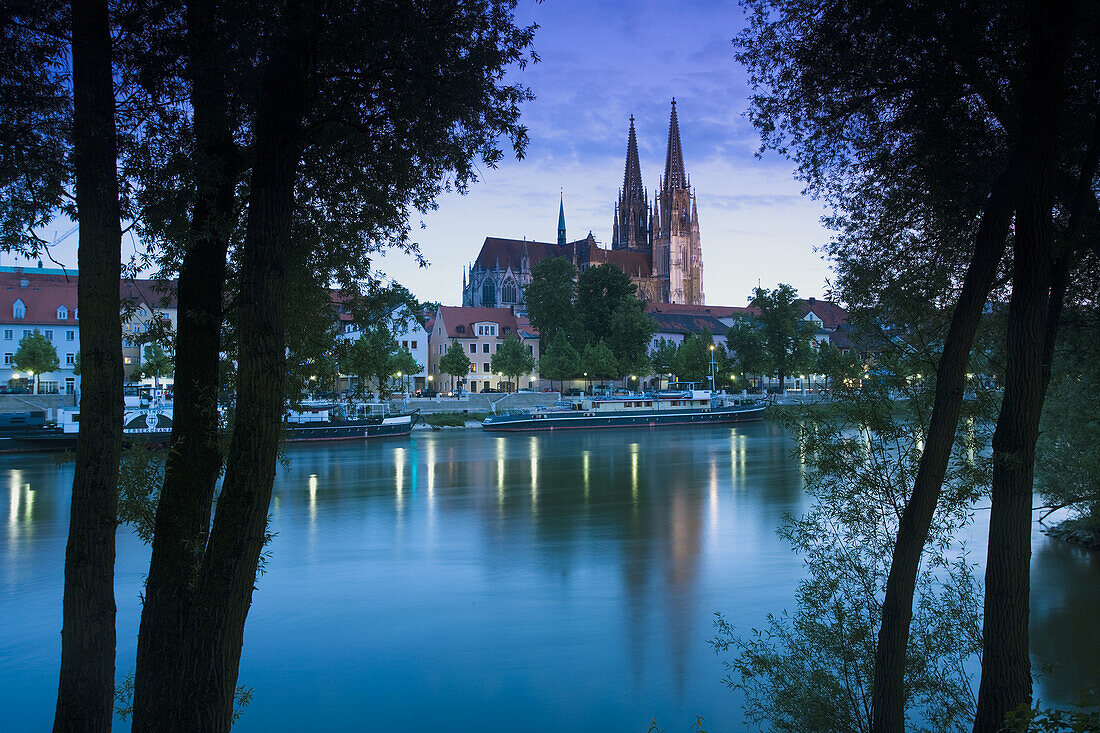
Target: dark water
(461, 581)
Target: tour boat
(681, 404)
(152, 425)
(328, 421)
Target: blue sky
(602, 62)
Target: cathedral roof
(509, 253)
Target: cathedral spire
(561, 220)
(674, 158)
(632, 178)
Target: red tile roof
(454, 316)
(716, 311)
(831, 314)
(43, 294)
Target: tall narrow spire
(561, 220)
(630, 229)
(632, 179)
(674, 158)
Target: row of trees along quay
(204, 123)
(956, 148)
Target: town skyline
(599, 65)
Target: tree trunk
(194, 463)
(86, 681)
(223, 592)
(1038, 288)
(1040, 99)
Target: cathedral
(656, 243)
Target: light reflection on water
(533, 582)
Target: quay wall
(478, 402)
(32, 402)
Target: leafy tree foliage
(693, 358)
(812, 668)
(833, 364)
(155, 364)
(786, 336)
(549, 298)
(631, 331)
(36, 354)
(559, 360)
(749, 349)
(405, 365)
(598, 361)
(455, 362)
(512, 359)
(601, 290)
(663, 357)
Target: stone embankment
(47, 403)
(479, 403)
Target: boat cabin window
(649, 404)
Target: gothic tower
(630, 229)
(677, 253)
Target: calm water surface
(463, 581)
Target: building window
(487, 368)
(413, 344)
(497, 347)
(18, 310)
(70, 385)
(70, 359)
(530, 349)
(26, 332)
(508, 292)
(9, 334)
(473, 367)
(49, 334)
(485, 348)
(7, 359)
(473, 348)
(62, 313)
(488, 295)
(70, 335)
(76, 314)
(127, 360)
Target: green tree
(664, 358)
(601, 290)
(749, 349)
(786, 336)
(549, 298)
(631, 331)
(155, 363)
(335, 107)
(35, 354)
(559, 360)
(405, 365)
(372, 356)
(830, 362)
(598, 361)
(693, 358)
(455, 362)
(512, 359)
(869, 130)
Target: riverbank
(1080, 532)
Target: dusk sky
(600, 63)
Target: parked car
(573, 392)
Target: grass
(451, 419)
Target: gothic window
(508, 292)
(62, 313)
(18, 310)
(488, 295)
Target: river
(462, 581)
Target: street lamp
(713, 366)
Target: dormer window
(460, 329)
(18, 310)
(62, 313)
(76, 314)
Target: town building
(46, 299)
(480, 332)
(408, 333)
(657, 245)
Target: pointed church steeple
(561, 220)
(674, 157)
(630, 228)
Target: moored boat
(680, 405)
(329, 421)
